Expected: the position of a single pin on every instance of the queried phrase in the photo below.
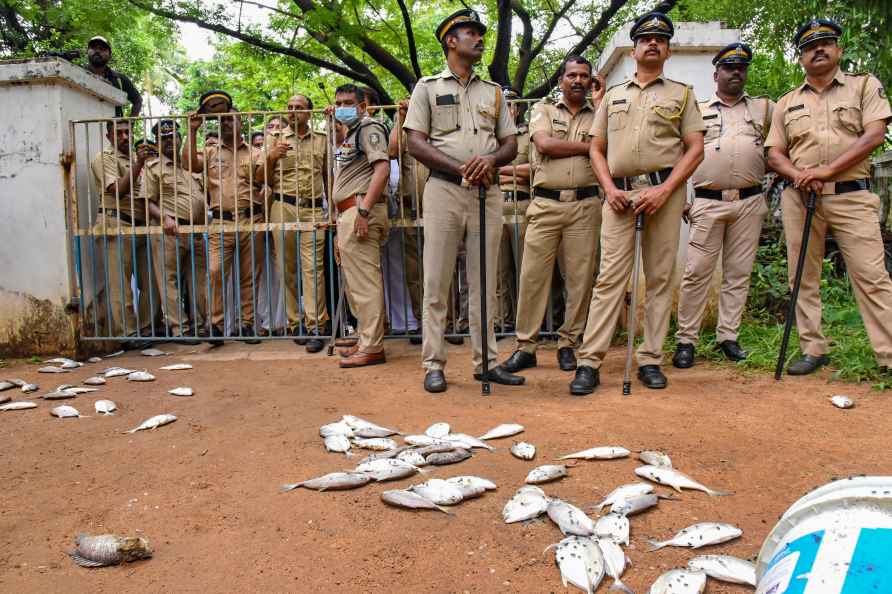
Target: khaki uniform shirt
(413, 174)
(815, 128)
(365, 144)
(230, 176)
(460, 120)
(522, 158)
(176, 191)
(643, 126)
(556, 120)
(299, 171)
(108, 166)
(734, 155)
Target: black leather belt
(844, 187)
(581, 193)
(511, 195)
(286, 198)
(245, 213)
(450, 177)
(718, 194)
(654, 178)
(116, 213)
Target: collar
(660, 79)
(447, 73)
(716, 99)
(838, 78)
(587, 105)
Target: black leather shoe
(684, 356)
(807, 364)
(497, 375)
(314, 345)
(248, 335)
(566, 359)
(518, 361)
(435, 381)
(137, 345)
(652, 377)
(732, 350)
(455, 339)
(586, 380)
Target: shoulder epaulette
(678, 82)
(429, 78)
(619, 84)
(489, 82)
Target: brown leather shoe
(346, 341)
(348, 351)
(360, 359)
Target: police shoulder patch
(375, 138)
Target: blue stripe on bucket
(870, 570)
(807, 546)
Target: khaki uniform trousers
(659, 249)
(312, 265)
(114, 298)
(729, 228)
(224, 248)
(412, 240)
(510, 258)
(565, 230)
(361, 263)
(451, 214)
(180, 266)
(853, 219)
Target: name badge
(711, 117)
(619, 102)
(796, 108)
(446, 100)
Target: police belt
(844, 187)
(450, 177)
(116, 213)
(511, 195)
(581, 193)
(354, 200)
(226, 215)
(292, 200)
(654, 178)
(731, 194)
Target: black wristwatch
(363, 212)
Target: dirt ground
(205, 490)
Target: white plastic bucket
(835, 540)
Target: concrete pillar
(38, 283)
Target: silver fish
(154, 422)
(503, 430)
(456, 455)
(569, 518)
(105, 407)
(18, 405)
(546, 474)
(28, 388)
(338, 444)
(141, 376)
(116, 372)
(108, 549)
(424, 440)
(334, 481)
(635, 505)
(95, 381)
(613, 526)
(679, 581)
(840, 401)
(468, 441)
(615, 562)
(725, 568)
(438, 430)
(115, 354)
(16, 383)
(623, 492)
(389, 469)
(410, 500)
(377, 444)
(358, 423)
(412, 457)
(699, 535)
(599, 453)
(338, 428)
(94, 359)
(523, 450)
(439, 491)
(63, 387)
(384, 455)
(65, 362)
(182, 391)
(472, 480)
(176, 367)
(436, 448)
(470, 486)
(59, 395)
(675, 479)
(371, 432)
(52, 370)
(527, 503)
(6, 385)
(77, 390)
(580, 562)
(153, 353)
(65, 412)
(655, 458)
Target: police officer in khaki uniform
(729, 206)
(565, 216)
(296, 172)
(821, 138)
(176, 199)
(648, 139)
(460, 128)
(362, 168)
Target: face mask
(346, 115)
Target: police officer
(821, 138)
(296, 172)
(728, 209)
(460, 128)
(362, 168)
(98, 55)
(648, 139)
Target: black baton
(633, 305)
(485, 387)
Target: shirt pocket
(486, 116)
(560, 129)
(713, 122)
(444, 118)
(797, 123)
(618, 115)
(665, 119)
(848, 116)
(752, 128)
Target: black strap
(717, 194)
(855, 185)
(230, 216)
(655, 178)
(512, 195)
(455, 179)
(286, 198)
(117, 213)
(581, 193)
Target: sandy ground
(205, 490)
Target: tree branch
(498, 67)
(526, 45)
(410, 38)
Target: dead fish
(182, 391)
(357, 423)
(412, 457)
(613, 526)
(504, 430)
(63, 387)
(599, 453)
(546, 474)
(95, 381)
(371, 433)
(338, 428)
(153, 353)
(523, 450)
(424, 440)
(527, 503)
(384, 455)
(679, 581)
(28, 388)
(725, 568)
(456, 455)
(473, 480)
(436, 448)
(4, 399)
(18, 405)
(438, 430)
(333, 481)
(65, 363)
(840, 401)
(623, 492)
(569, 518)
(655, 458)
(94, 359)
(580, 562)
(154, 422)
(116, 372)
(176, 367)
(378, 444)
(675, 479)
(108, 549)
(77, 390)
(6, 385)
(141, 376)
(16, 382)
(439, 492)
(615, 562)
(52, 370)
(59, 395)
(468, 441)
(115, 354)
(699, 535)
(410, 500)
(388, 469)
(65, 412)
(635, 505)
(338, 444)
(105, 407)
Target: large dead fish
(569, 518)
(527, 503)
(411, 457)
(65, 363)
(425, 440)
(108, 549)
(59, 395)
(546, 474)
(154, 422)
(28, 388)
(471, 486)
(438, 430)
(182, 391)
(153, 352)
(451, 457)
(580, 562)
(334, 481)
(523, 450)
(624, 492)
(725, 568)
(503, 430)
(338, 428)
(675, 479)
(468, 441)
(679, 581)
(18, 405)
(65, 412)
(77, 390)
(176, 367)
(599, 453)
(655, 458)
(105, 407)
(377, 444)
(613, 526)
(358, 423)
(372, 433)
(615, 562)
(635, 505)
(388, 469)
(94, 381)
(338, 444)
(410, 500)
(52, 370)
(6, 385)
(116, 372)
(439, 492)
(699, 535)
(141, 376)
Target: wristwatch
(363, 212)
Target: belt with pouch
(728, 195)
(226, 215)
(581, 193)
(116, 213)
(511, 195)
(844, 187)
(653, 178)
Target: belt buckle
(642, 179)
(828, 189)
(567, 196)
(730, 195)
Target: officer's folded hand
(479, 170)
(617, 199)
(804, 180)
(169, 225)
(651, 199)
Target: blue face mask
(346, 115)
